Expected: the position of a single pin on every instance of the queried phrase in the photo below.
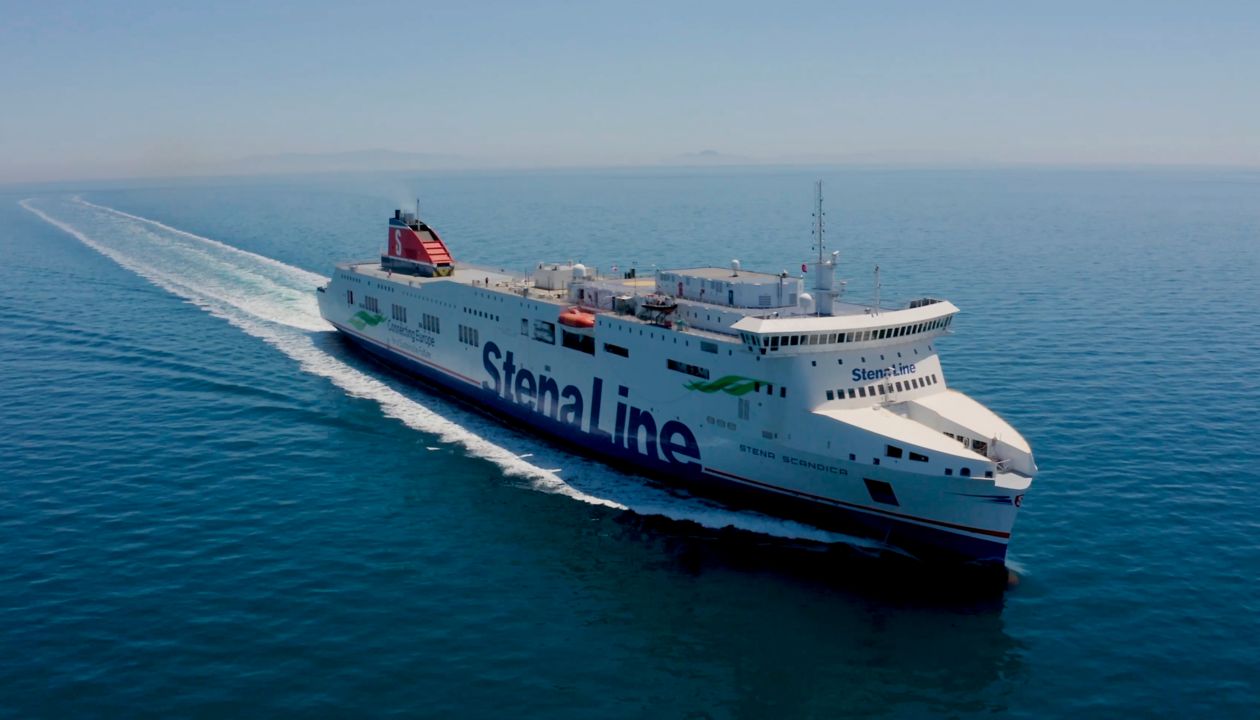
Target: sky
(127, 88)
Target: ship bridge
(854, 324)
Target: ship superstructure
(723, 379)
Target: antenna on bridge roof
(818, 219)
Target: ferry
(751, 386)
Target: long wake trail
(275, 302)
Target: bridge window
(831, 394)
(852, 393)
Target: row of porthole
(965, 472)
(891, 386)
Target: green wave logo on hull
(736, 385)
(363, 319)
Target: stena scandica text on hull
(712, 377)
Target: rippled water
(210, 505)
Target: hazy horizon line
(698, 162)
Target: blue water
(210, 506)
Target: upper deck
(768, 327)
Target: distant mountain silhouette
(711, 157)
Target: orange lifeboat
(578, 317)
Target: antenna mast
(818, 219)
(876, 289)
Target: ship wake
(275, 303)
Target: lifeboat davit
(577, 317)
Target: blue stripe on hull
(924, 542)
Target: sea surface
(211, 506)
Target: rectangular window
(892, 451)
(745, 409)
(774, 342)
(398, 312)
(350, 297)
(688, 369)
(862, 392)
(852, 393)
(525, 327)
(616, 350)
(796, 340)
(918, 457)
(430, 323)
(831, 395)
(577, 341)
(469, 336)
(709, 347)
(899, 387)
(545, 332)
(371, 304)
(883, 390)
(782, 392)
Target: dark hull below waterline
(940, 549)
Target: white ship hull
(717, 411)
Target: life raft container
(577, 317)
